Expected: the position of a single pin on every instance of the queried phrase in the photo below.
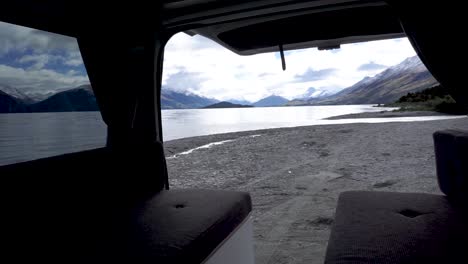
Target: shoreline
(389, 114)
(295, 174)
(179, 145)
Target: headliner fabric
(384, 227)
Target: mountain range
(314, 93)
(241, 101)
(78, 99)
(224, 104)
(82, 99)
(10, 104)
(272, 100)
(388, 86)
(176, 100)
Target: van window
(200, 73)
(47, 106)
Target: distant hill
(436, 98)
(17, 94)
(241, 102)
(82, 99)
(176, 100)
(11, 104)
(226, 105)
(303, 102)
(37, 97)
(313, 93)
(310, 97)
(272, 100)
(407, 77)
(78, 99)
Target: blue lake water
(37, 135)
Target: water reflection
(198, 122)
(37, 135)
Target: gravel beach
(296, 174)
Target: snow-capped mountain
(388, 86)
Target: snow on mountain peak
(13, 92)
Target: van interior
(114, 204)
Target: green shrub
(435, 98)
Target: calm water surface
(196, 122)
(36, 135)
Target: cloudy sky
(201, 66)
(41, 62)
(37, 61)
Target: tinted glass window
(47, 106)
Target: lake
(37, 135)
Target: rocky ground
(296, 174)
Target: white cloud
(73, 58)
(39, 80)
(32, 60)
(18, 38)
(371, 66)
(224, 75)
(315, 75)
(198, 65)
(183, 81)
(74, 62)
(39, 60)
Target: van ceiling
(243, 26)
(249, 27)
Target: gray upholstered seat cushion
(106, 206)
(178, 226)
(451, 152)
(383, 227)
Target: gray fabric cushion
(176, 226)
(106, 206)
(451, 152)
(55, 209)
(382, 227)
